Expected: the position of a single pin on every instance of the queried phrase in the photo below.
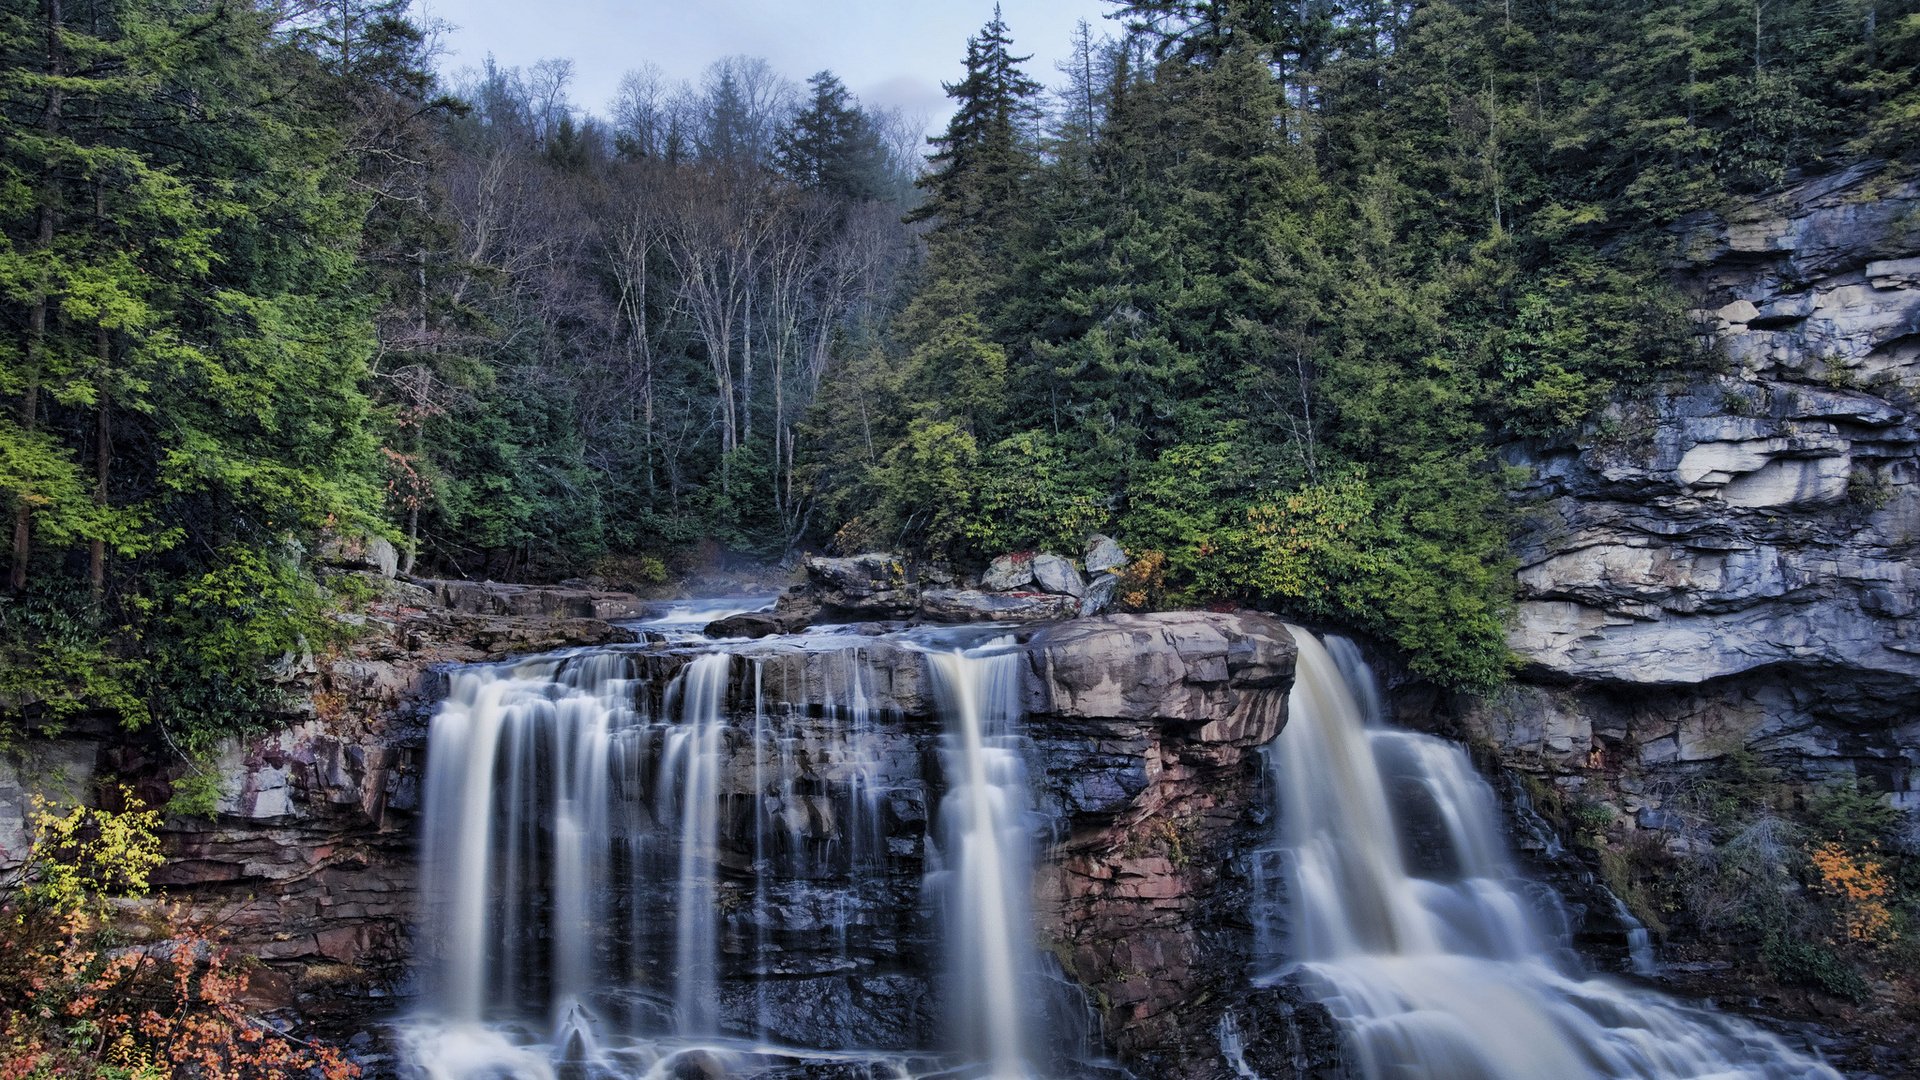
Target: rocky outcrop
(973, 605)
(1724, 571)
(1148, 728)
(308, 860)
(1764, 517)
(1020, 587)
(872, 586)
(533, 601)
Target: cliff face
(1720, 576)
(308, 862)
(1732, 561)
(1142, 733)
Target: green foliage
(1798, 961)
(1026, 497)
(196, 793)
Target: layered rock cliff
(1718, 577)
(1142, 732)
(1730, 562)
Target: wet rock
(1008, 572)
(1057, 575)
(755, 624)
(972, 605)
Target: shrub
(87, 992)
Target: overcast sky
(889, 52)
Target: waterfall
(1406, 916)
(986, 856)
(714, 857)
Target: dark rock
(754, 624)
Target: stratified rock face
(1147, 730)
(308, 862)
(1764, 517)
(1728, 567)
(535, 601)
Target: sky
(891, 53)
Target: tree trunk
(102, 466)
(37, 311)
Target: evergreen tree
(985, 161)
(184, 348)
(831, 146)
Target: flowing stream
(1407, 917)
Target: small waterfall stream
(987, 860)
(1407, 917)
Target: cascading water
(1406, 916)
(986, 868)
(580, 821)
(694, 858)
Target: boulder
(749, 624)
(360, 552)
(874, 585)
(972, 605)
(1058, 575)
(1009, 572)
(1099, 595)
(1103, 554)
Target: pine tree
(831, 146)
(985, 161)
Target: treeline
(1264, 287)
(1256, 290)
(602, 336)
(266, 283)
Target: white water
(574, 851)
(594, 840)
(1407, 917)
(986, 868)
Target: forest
(1261, 289)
